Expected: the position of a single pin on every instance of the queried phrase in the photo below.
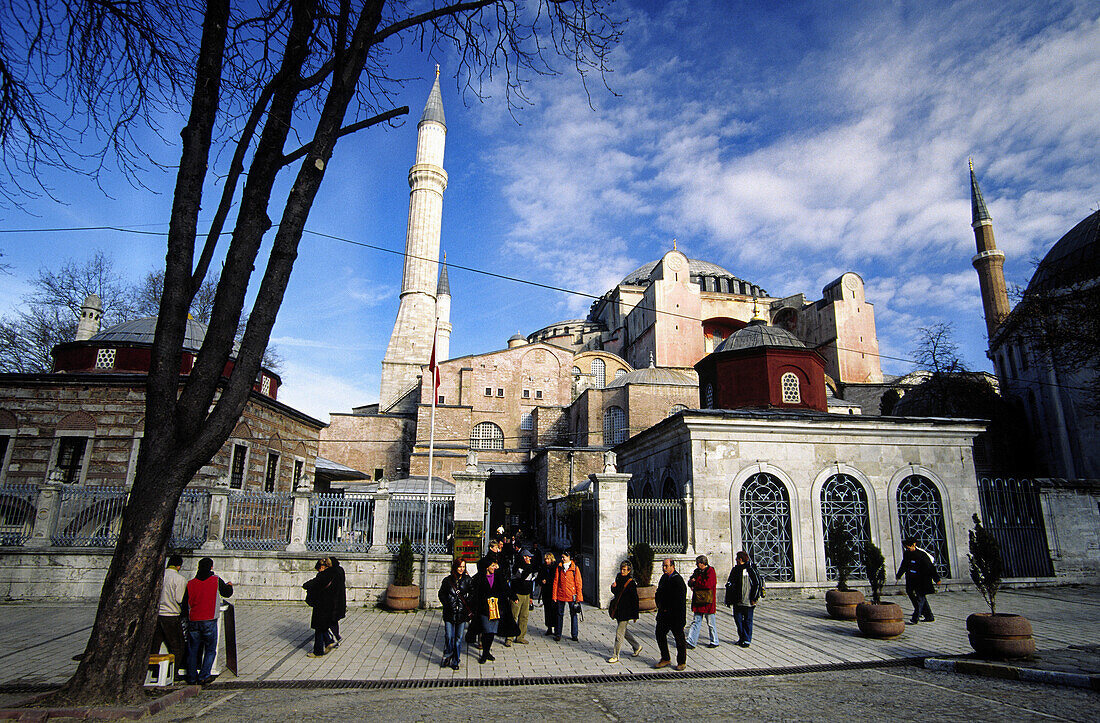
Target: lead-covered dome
(1074, 259)
(711, 277)
(142, 331)
(759, 334)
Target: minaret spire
(989, 262)
(443, 313)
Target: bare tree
(275, 89)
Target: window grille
(70, 458)
(486, 435)
(766, 526)
(599, 369)
(614, 426)
(236, 474)
(920, 515)
(272, 472)
(105, 359)
(791, 392)
(844, 500)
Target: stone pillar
(45, 514)
(219, 508)
(299, 520)
(380, 526)
(611, 544)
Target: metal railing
(1012, 512)
(258, 520)
(89, 516)
(407, 520)
(560, 537)
(192, 519)
(340, 523)
(17, 505)
(659, 523)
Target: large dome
(760, 334)
(711, 277)
(1074, 259)
(141, 331)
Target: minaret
(989, 261)
(410, 345)
(90, 314)
(443, 314)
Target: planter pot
(402, 597)
(646, 601)
(881, 620)
(841, 604)
(1000, 636)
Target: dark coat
(339, 593)
(320, 594)
(671, 599)
(735, 590)
(521, 581)
(920, 572)
(546, 581)
(457, 599)
(507, 627)
(625, 592)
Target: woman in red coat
(703, 584)
(567, 592)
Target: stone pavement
(38, 641)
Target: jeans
(742, 615)
(920, 606)
(696, 626)
(201, 634)
(573, 621)
(453, 634)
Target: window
(538, 394)
(620, 373)
(526, 393)
(237, 466)
(614, 426)
(676, 409)
(70, 458)
(440, 399)
(265, 386)
(486, 435)
(708, 396)
(791, 392)
(299, 472)
(527, 421)
(488, 391)
(378, 473)
(272, 474)
(500, 392)
(105, 359)
(766, 526)
(599, 369)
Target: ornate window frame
(945, 504)
(797, 561)
(874, 530)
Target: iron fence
(658, 523)
(340, 523)
(89, 516)
(560, 537)
(192, 519)
(1012, 512)
(257, 520)
(17, 505)
(407, 520)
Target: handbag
(703, 597)
(494, 608)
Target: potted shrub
(641, 557)
(994, 634)
(878, 619)
(403, 594)
(841, 602)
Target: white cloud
(317, 393)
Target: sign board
(468, 540)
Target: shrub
(641, 557)
(986, 567)
(403, 574)
(838, 547)
(875, 565)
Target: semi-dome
(1074, 259)
(760, 334)
(711, 277)
(142, 331)
(656, 376)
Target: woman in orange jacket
(567, 592)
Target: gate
(1011, 511)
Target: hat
(526, 553)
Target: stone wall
(1071, 513)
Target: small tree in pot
(641, 556)
(877, 619)
(839, 548)
(993, 634)
(403, 594)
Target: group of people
(195, 603)
(326, 594)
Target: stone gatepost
(611, 545)
(299, 520)
(219, 509)
(470, 510)
(45, 514)
(380, 525)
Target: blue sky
(787, 142)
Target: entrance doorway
(512, 504)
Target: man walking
(671, 599)
(169, 628)
(921, 578)
(203, 600)
(522, 582)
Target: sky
(787, 142)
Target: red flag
(435, 372)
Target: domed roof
(656, 375)
(760, 334)
(142, 331)
(642, 275)
(1075, 258)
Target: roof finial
(756, 311)
(651, 364)
(673, 244)
(437, 71)
(971, 160)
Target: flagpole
(433, 368)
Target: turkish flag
(435, 372)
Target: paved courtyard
(38, 640)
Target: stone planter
(841, 604)
(880, 620)
(402, 597)
(1000, 636)
(646, 601)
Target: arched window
(486, 435)
(766, 526)
(708, 396)
(670, 491)
(526, 427)
(676, 409)
(619, 373)
(614, 426)
(576, 371)
(920, 515)
(844, 500)
(647, 491)
(599, 370)
(792, 393)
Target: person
(202, 601)
(522, 580)
(546, 589)
(567, 592)
(671, 599)
(455, 596)
(921, 578)
(169, 628)
(624, 610)
(495, 548)
(742, 593)
(704, 585)
(493, 610)
(339, 601)
(320, 595)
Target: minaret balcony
(428, 176)
(991, 254)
